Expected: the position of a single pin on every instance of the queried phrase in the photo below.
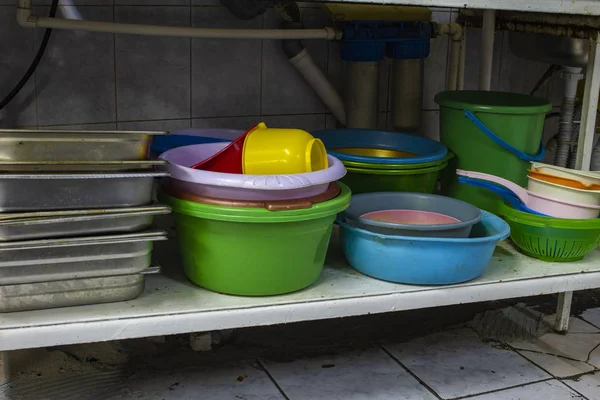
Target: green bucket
(420, 180)
(492, 132)
(253, 251)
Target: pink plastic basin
(410, 217)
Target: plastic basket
(552, 239)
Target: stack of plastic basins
(495, 133)
(251, 235)
(382, 161)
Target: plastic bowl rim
(486, 217)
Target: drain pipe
(27, 19)
(407, 94)
(300, 58)
(487, 50)
(408, 54)
(362, 94)
(457, 53)
(571, 76)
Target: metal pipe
(462, 60)
(571, 76)
(587, 129)
(28, 20)
(454, 64)
(407, 95)
(487, 50)
(362, 90)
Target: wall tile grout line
(191, 64)
(421, 382)
(35, 83)
(115, 86)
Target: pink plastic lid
(410, 217)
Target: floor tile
(576, 346)
(587, 385)
(592, 316)
(241, 381)
(576, 325)
(456, 363)
(550, 390)
(368, 374)
(594, 357)
(558, 366)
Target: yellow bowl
(270, 151)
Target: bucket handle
(496, 139)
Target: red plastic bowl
(229, 160)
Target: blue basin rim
(427, 149)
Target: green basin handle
(496, 139)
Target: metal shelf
(172, 305)
(579, 7)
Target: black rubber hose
(34, 63)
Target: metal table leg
(585, 146)
(563, 311)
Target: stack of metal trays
(76, 211)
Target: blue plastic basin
(423, 260)
(427, 150)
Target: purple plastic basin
(239, 186)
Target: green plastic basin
(252, 251)
(421, 180)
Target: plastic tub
(423, 180)
(252, 251)
(466, 214)
(583, 196)
(492, 132)
(426, 150)
(423, 260)
(552, 239)
(565, 176)
(364, 165)
(243, 187)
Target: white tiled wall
(97, 80)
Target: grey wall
(99, 81)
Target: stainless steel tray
(78, 166)
(42, 192)
(78, 225)
(72, 292)
(61, 145)
(47, 260)
(74, 213)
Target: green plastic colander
(551, 239)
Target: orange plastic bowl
(572, 183)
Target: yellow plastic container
(271, 151)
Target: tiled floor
(452, 364)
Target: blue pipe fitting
(373, 40)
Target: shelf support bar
(587, 129)
(585, 146)
(563, 312)
(4, 372)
